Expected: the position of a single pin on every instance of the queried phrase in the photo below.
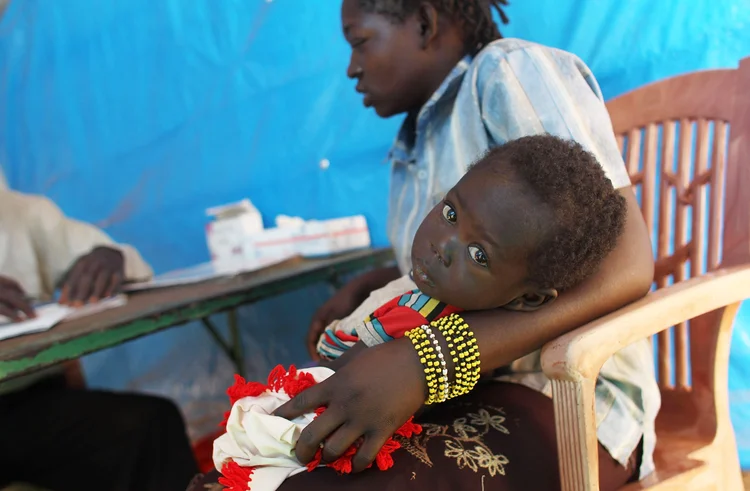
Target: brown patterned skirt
(501, 437)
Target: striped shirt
(510, 89)
(388, 322)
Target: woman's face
(387, 61)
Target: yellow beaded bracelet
(443, 385)
(463, 350)
(427, 357)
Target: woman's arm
(342, 360)
(376, 391)
(518, 98)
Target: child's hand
(345, 301)
(337, 307)
(371, 396)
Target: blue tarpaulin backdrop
(137, 115)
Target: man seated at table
(62, 437)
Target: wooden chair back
(686, 144)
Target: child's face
(470, 251)
(388, 60)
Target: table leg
(335, 281)
(234, 332)
(229, 349)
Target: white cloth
(256, 438)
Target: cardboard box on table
(236, 235)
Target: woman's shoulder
(505, 59)
(519, 51)
(504, 47)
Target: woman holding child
(465, 90)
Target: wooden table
(151, 311)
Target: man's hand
(371, 396)
(97, 275)
(13, 300)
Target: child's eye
(478, 255)
(449, 213)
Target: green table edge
(97, 341)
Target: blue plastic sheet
(137, 115)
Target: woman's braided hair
(474, 16)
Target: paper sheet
(49, 315)
(204, 272)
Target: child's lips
(419, 272)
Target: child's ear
(530, 302)
(428, 23)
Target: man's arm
(60, 241)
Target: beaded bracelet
(443, 386)
(428, 359)
(462, 347)
(464, 352)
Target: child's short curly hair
(474, 16)
(588, 214)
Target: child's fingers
(313, 335)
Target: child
(532, 217)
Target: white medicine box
(228, 234)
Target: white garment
(38, 244)
(377, 298)
(256, 438)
